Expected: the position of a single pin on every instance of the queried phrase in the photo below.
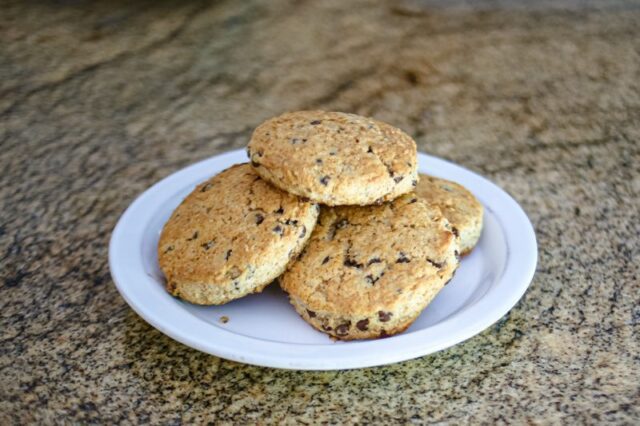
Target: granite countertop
(98, 100)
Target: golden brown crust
(463, 211)
(231, 236)
(369, 271)
(334, 158)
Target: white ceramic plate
(263, 329)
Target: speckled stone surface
(98, 100)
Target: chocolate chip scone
(233, 235)
(334, 158)
(368, 272)
(463, 211)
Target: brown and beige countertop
(98, 100)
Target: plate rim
(444, 334)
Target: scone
(463, 211)
(334, 158)
(232, 236)
(368, 272)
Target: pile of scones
(331, 207)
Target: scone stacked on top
(364, 265)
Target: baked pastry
(334, 158)
(233, 235)
(463, 211)
(368, 272)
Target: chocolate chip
(384, 316)
(316, 122)
(171, 286)
(193, 237)
(325, 180)
(383, 334)
(457, 254)
(397, 179)
(311, 314)
(352, 263)
(255, 164)
(411, 77)
(327, 328)
(413, 200)
(373, 260)
(343, 329)
(434, 263)
(294, 141)
(332, 153)
(331, 232)
(279, 211)
(259, 219)
(363, 325)
(402, 258)
(303, 232)
(227, 255)
(168, 249)
(302, 253)
(325, 260)
(318, 161)
(372, 280)
(370, 151)
(233, 273)
(291, 222)
(414, 182)
(455, 232)
(207, 245)
(206, 187)
(278, 230)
